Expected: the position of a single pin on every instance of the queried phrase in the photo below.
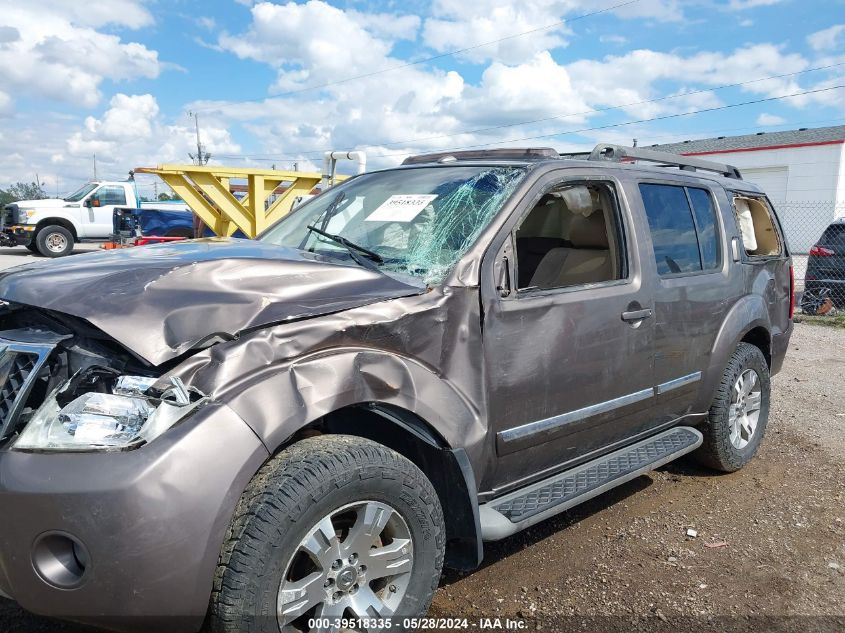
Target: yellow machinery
(207, 191)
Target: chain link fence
(815, 232)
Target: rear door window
(683, 228)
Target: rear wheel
(335, 527)
(739, 413)
(54, 241)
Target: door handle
(636, 315)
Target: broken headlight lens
(103, 421)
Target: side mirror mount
(88, 203)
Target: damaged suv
(297, 433)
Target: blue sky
(117, 78)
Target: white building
(802, 171)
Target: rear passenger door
(693, 289)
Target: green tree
(167, 196)
(21, 191)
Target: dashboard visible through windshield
(415, 222)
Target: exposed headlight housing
(121, 420)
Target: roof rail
(621, 153)
(504, 153)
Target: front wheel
(334, 528)
(54, 241)
(739, 413)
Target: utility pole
(201, 157)
(95, 167)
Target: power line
(625, 123)
(426, 60)
(318, 153)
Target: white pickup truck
(52, 226)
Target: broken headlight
(125, 418)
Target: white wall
(806, 184)
(813, 173)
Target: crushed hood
(160, 301)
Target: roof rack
(621, 153)
(505, 153)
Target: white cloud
(132, 133)
(315, 38)
(618, 40)
(59, 54)
(766, 119)
(7, 106)
(742, 5)
(828, 39)
(457, 24)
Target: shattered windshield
(80, 193)
(417, 222)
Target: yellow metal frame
(206, 191)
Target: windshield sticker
(401, 208)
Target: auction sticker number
(401, 208)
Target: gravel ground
(769, 554)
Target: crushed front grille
(15, 368)
(20, 364)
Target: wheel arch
(448, 469)
(747, 320)
(63, 222)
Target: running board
(524, 507)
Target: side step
(525, 507)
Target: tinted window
(672, 229)
(111, 195)
(705, 220)
(834, 235)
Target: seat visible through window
(569, 239)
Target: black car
(826, 265)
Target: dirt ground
(769, 554)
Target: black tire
(32, 246)
(717, 451)
(289, 496)
(54, 241)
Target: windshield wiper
(350, 246)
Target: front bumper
(19, 235)
(152, 521)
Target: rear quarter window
(834, 235)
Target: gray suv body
(306, 427)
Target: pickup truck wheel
(54, 241)
(334, 527)
(739, 413)
(32, 246)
